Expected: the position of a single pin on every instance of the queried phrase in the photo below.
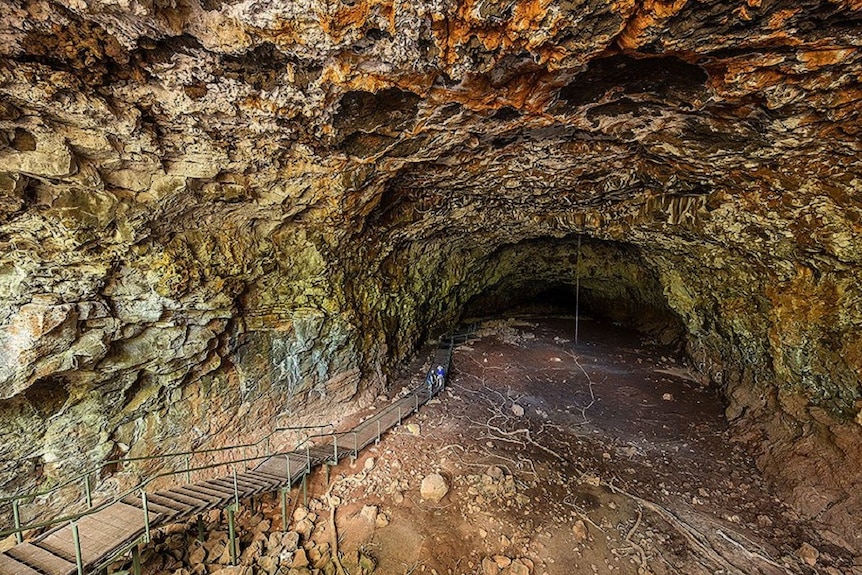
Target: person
(429, 381)
(440, 374)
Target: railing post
(335, 450)
(305, 490)
(136, 560)
(355, 447)
(231, 530)
(399, 415)
(201, 534)
(307, 460)
(378, 433)
(235, 488)
(87, 492)
(189, 468)
(284, 525)
(76, 541)
(16, 517)
(146, 516)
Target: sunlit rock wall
(212, 213)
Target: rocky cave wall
(214, 209)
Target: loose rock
(434, 488)
(579, 529)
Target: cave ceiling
(237, 158)
(516, 119)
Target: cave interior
(222, 216)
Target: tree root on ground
(705, 546)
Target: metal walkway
(94, 539)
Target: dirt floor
(556, 459)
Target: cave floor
(605, 457)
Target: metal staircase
(89, 541)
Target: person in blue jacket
(440, 376)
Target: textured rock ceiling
(216, 208)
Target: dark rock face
(221, 208)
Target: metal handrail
(102, 465)
(141, 485)
(20, 529)
(133, 490)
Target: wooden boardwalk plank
(267, 476)
(278, 466)
(279, 462)
(160, 499)
(92, 547)
(122, 515)
(267, 482)
(228, 481)
(97, 538)
(209, 498)
(9, 566)
(252, 481)
(243, 489)
(41, 559)
(216, 488)
(107, 531)
(57, 547)
(163, 513)
(191, 501)
(205, 489)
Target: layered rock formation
(217, 208)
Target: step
(192, 503)
(211, 499)
(212, 485)
(152, 507)
(160, 499)
(244, 476)
(41, 559)
(279, 468)
(244, 486)
(321, 452)
(267, 476)
(10, 566)
(58, 551)
(211, 490)
(244, 490)
(263, 481)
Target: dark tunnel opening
(532, 299)
(566, 301)
(608, 283)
